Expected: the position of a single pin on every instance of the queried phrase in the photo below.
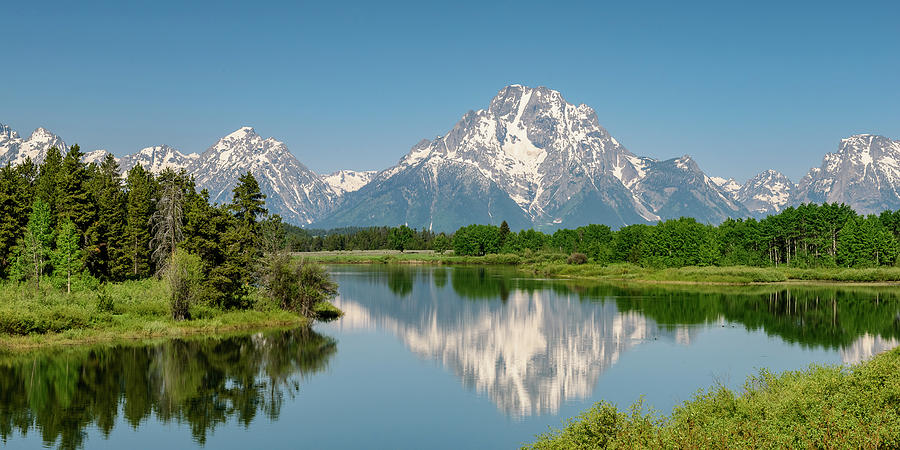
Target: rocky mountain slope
(293, 191)
(529, 158)
(344, 181)
(158, 158)
(14, 149)
(532, 159)
(767, 193)
(864, 173)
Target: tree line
(68, 221)
(809, 235)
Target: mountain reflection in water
(532, 345)
(199, 382)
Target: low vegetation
(138, 309)
(821, 407)
(78, 242)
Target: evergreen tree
(14, 204)
(107, 258)
(504, 233)
(248, 202)
(74, 201)
(141, 190)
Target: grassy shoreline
(40, 317)
(554, 266)
(823, 406)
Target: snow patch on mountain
(15, 150)
(344, 181)
(766, 193)
(296, 193)
(95, 156)
(158, 158)
(864, 173)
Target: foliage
(183, 274)
(296, 285)
(400, 237)
(67, 256)
(829, 407)
(577, 258)
(441, 243)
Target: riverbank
(33, 317)
(555, 266)
(828, 407)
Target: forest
(806, 236)
(73, 225)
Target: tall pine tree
(141, 190)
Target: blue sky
(741, 86)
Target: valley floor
(554, 265)
(45, 316)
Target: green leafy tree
(400, 237)
(441, 243)
(38, 240)
(67, 256)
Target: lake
(436, 357)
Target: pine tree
(67, 256)
(248, 202)
(14, 204)
(106, 254)
(74, 201)
(141, 190)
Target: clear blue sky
(741, 87)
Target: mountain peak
(242, 133)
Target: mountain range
(530, 158)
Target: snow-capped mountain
(729, 186)
(864, 173)
(344, 181)
(14, 149)
(158, 158)
(292, 190)
(766, 193)
(532, 159)
(95, 156)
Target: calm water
(431, 357)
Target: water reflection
(199, 382)
(531, 345)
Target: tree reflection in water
(201, 382)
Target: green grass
(554, 265)
(33, 317)
(821, 407)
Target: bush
(577, 258)
(184, 274)
(296, 285)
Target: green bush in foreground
(821, 407)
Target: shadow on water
(201, 382)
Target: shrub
(183, 273)
(577, 258)
(296, 285)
